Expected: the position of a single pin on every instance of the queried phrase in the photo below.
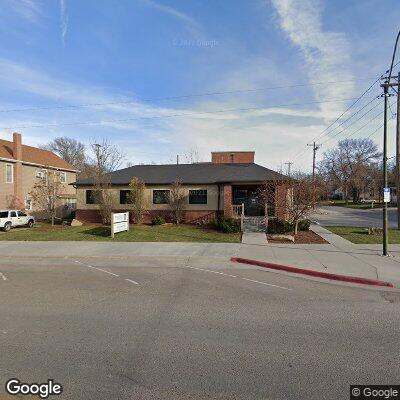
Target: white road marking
(131, 281)
(239, 277)
(3, 276)
(264, 283)
(213, 272)
(98, 269)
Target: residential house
(22, 166)
(217, 187)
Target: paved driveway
(162, 328)
(342, 216)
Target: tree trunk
(52, 220)
(296, 224)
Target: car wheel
(7, 226)
(30, 223)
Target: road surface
(160, 328)
(342, 216)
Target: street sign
(119, 222)
(386, 195)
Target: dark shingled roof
(201, 173)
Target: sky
(159, 78)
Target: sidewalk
(338, 257)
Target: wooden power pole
(398, 152)
(315, 148)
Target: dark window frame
(165, 199)
(90, 196)
(198, 198)
(124, 196)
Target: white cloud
(190, 23)
(27, 9)
(326, 53)
(64, 20)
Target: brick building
(22, 166)
(211, 188)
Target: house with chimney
(227, 185)
(21, 166)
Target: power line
(176, 97)
(172, 115)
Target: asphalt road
(342, 216)
(153, 328)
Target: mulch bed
(302, 237)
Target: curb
(310, 272)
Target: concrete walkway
(258, 238)
(339, 256)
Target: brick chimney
(232, 157)
(17, 153)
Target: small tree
(177, 201)
(137, 199)
(46, 193)
(296, 202)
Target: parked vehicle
(12, 218)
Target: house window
(63, 177)
(125, 196)
(9, 173)
(28, 204)
(92, 196)
(160, 196)
(198, 196)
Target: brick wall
(228, 209)
(281, 192)
(228, 157)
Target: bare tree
(296, 201)
(137, 199)
(348, 165)
(177, 201)
(46, 193)
(69, 150)
(107, 158)
(192, 156)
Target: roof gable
(34, 155)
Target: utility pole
(315, 148)
(385, 216)
(177, 159)
(398, 152)
(289, 164)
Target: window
(13, 214)
(21, 214)
(92, 197)
(9, 173)
(160, 196)
(3, 214)
(28, 203)
(125, 196)
(198, 196)
(63, 177)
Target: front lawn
(358, 206)
(360, 235)
(137, 233)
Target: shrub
(279, 226)
(226, 225)
(158, 220)
(304, 225)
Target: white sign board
(386, 195)
(119, 222)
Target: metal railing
(238, 212)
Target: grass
(137, 233)
(360, 235)
(358, 206)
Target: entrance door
(252, 206)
